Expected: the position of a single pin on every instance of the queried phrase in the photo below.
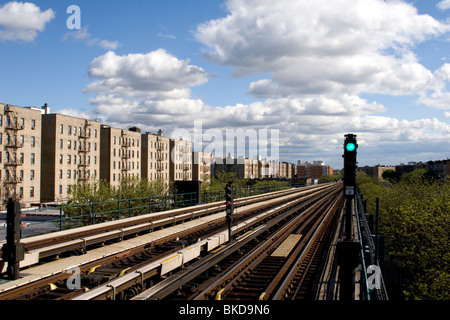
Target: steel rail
(230, 278)
(80, 238)
(110, 289)
(295, 267)
(169, 285)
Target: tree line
(415, 221)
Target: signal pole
(13, 250)
(347, 250)
(229, 208)
(349, 156)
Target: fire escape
(159, 157)
(184, 157)
(125, 153)
(83, 152)
(12, 181)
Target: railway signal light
(350, 147)
(229, 199)
(229, 207)
(13, 250)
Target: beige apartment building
(120, 154)
(20, 154)
(155, 157)
(180, 168)
(201, 166)
(70, 154)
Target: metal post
(129, 207)
(348, 217)
(60, 219)
(93, 213)
(377, 233)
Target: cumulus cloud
(150, 89)
(317, 58)
(23, 20)
(443, 5)
(322, 46)
(157, 75)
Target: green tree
(391, 176)
(415, 219)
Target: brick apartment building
(20, 154)
(155, 156)
(70, 154)
(180, 160)
(120, 154)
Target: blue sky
(314, 70)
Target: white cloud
(317, 57)
(323, 46)
(149, 89)
(443, 5)
(23, 20)
(84, 35)
(156, 75)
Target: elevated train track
(160, 268)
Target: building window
(95, 133)
(60, 158)
(22, 122)
(60, 143)
(69, 174)
(60, 189)
(32, 158)
(60, 174)
(69, 129)
(31, 192)
(69, 159)
(61, 128)
(33, 124)
(69, 144)
(33, 141)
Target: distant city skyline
(315, 71)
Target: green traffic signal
(350, 147)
